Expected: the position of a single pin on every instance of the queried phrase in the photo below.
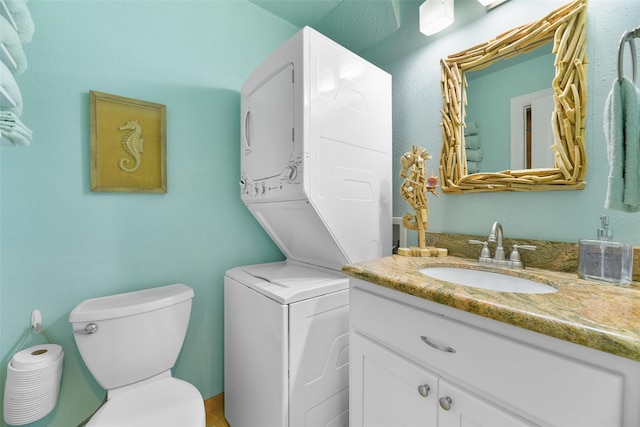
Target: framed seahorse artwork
(128, 144)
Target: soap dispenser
(605, 260)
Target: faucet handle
(515, 255)
(515, 259)
(485, 253)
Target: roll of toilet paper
(32, 384)
(36, 357)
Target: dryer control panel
(286, 186)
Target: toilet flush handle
(89, 329)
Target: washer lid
(289, 275)
(120, 305)
(288, 281)
(167, 402)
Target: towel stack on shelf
(16, 28)
(472, 147)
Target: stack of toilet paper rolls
(32, 384)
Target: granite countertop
(598, 315)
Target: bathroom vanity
(428, 352)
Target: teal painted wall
(61, 243)
(413, 60)
(491, 94)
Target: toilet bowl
(129, 342)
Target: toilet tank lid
(130, 303)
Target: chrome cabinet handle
(437, 346)
(424, 389)
(445, 403)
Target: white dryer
(316, 152)
(316, 174)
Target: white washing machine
(287, 353)
(316, 174)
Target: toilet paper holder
(36, 324)
(36, 328)
(36, 321)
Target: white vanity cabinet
(394, 391)
(417, 363)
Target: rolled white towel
(22, 17)
(10, 86)
(16, 138)
(10, 123)
(471, 128)
(474, 155)
(472, 141)
(473, 167)
(9, 37)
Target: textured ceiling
(388, 27)
(299, 12)
(356, 24)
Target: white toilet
(130, 342)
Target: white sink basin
(487, 280)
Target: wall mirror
(564, 30)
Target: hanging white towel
(622, 132)
(9, 37)
(22, 18)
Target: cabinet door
(459, 408)
(389, 390)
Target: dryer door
(267, 126)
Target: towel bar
(628, 37)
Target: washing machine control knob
(256, 190)
(292, 172)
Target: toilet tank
(136, 334)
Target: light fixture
(435, 15)
(490, 4)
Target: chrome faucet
(495, 235)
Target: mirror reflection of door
(489, 93)
(531, 134)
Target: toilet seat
(168, 402)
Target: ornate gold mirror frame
(566, 27)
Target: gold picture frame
(128, 144)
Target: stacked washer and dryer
(316, 174)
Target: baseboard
(214, 403)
